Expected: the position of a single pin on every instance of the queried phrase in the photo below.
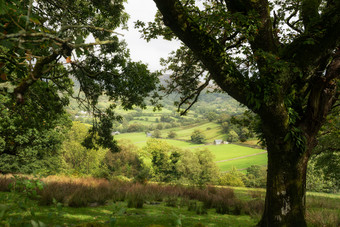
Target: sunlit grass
(228, 151)
(260, 159)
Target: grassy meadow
(97, 202)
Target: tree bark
(285, 202)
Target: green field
(221, 152)
(210, 130)
(228, 151)
(134, 137)
(243, 163)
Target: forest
(235, 130)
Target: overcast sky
(140, 50)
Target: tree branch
(206, 48)
(291, 25)
(311, 48)
(89, 27)
(323, 95)
(196, 94)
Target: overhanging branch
(206, 48)
(196, 94)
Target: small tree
(208, 168)
(157, 134)
(172, 134)
(197, 136)
(232, 136)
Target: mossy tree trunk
(285, 201)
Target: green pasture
(243, 163)
(228, 151)
(211, 131)
(143, 122)
(182, 144)
(135, 137)
(151, 215)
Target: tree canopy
(47, 46)
(281, 59)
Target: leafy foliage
(197, 136)
(44, 46)
(31, 137)
(171, 164)
(76, 158)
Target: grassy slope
(184, 132)
(228, 151)
(260, 159)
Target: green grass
(184, 132)
(158, 214)
(134, 137)
(243, 163)
(228, 151)
(181, 144)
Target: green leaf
(79, 52)
(3, 7)
(7, 44)
(79, 39)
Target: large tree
(279, 58)
(46, 46)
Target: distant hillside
(207, 102)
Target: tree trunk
(285, 202)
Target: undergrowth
(60, 192)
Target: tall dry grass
(78, 192)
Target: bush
(136, 128)
(197, 137)
(157, 134)
(232, 136)
(317, 181)
(126, 162)
(172, 134)
(256, 176)
(230, 179)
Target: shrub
(230, 179)
(126, 162)
(157, 134)
(256, 176)
(172, 134)
(197, 137)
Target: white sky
(140, 50)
